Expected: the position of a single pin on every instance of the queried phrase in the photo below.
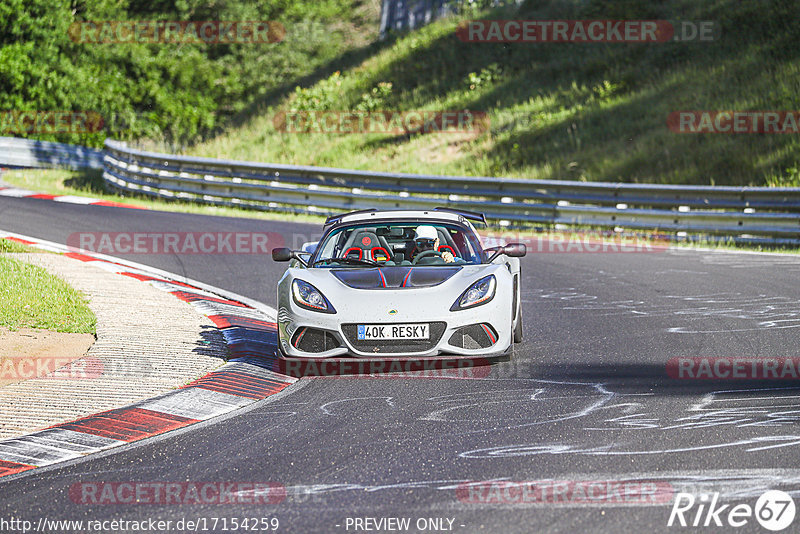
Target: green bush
(376, 99)
(320, 97)
(178, 93)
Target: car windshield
(399, 243)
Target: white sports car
(397, 284)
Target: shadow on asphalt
(647, 378)
(211, 343)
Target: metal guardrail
(18, 152)
(402, 15)
(717, 210)
(739, 212)
(410, 14)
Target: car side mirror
(286, 254)
(282, 254)
(515, 250)
(512, 250)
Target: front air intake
(314, 340)
(474, 336)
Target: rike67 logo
(774, 510)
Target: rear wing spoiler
(471, 215)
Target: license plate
(393, 331)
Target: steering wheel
(425, 254)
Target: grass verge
(30, 297)
(8, 246)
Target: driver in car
(426, 240)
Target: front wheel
(518, 329)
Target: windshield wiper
(350, 261)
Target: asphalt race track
(586, 397)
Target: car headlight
(309, 297)
(478, 293)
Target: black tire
(518, 329)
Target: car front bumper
(485, 330)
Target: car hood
(397, 277)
